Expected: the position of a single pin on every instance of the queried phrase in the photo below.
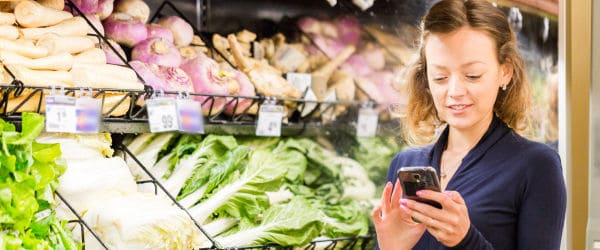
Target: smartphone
(414, 179)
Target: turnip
(183, 33)
(138, 9)
(348, 30)
(163, 78)
(124, 29)
(95, 20)
(105, 8)
(157, 31)
(158, 51)
(209, 79)
(85, 6)
(111, 55)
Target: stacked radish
(43, 45)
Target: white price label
(88, 114)
(61, 115)
(301, 81)
(367, 122)
(162, 114)
(269, 120)
(190, 116)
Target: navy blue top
(513, 188)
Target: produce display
(252, 191)
(46, 46)
(101, 189)
(29, 173)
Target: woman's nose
(456, 87)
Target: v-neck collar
(495, 131)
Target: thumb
(376, 214)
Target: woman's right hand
(394, 226)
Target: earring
(504, 87)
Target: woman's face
(464, 77)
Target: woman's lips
(459, 108)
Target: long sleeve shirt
(513, 188)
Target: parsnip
(116, 71)
(59, 44)
(9, 32)
(55, 4)
(75, 26)
(7, 18)
(30, 14)
(90, 56)
(41, 78)
(23, 48)
(89, 77)
(62, 61)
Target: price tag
(190, 116)
(61, 115)
(162, 114)
(301, 81)
(269, 120)
(88, 114)
(367, 122)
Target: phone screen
(414, 179)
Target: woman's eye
(473, 77)
(439, 78)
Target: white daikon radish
(9, 32)
(55, 4)
(23, 47)
(90, 56)
(62, 61)
(31, 14)
(41, 78)
(89, 77)
(59, 44)
(76, 26)
(7, 18)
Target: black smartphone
(414, 179)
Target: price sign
(162, 114)
(367, 122)
(269, 120)
(61, 114)
(190, 116)
(87, 112)
(301, 81)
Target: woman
(501, 191)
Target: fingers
(376, 214)
(396, 195)
(455, 196)
(385, 197)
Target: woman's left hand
(448, 225)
